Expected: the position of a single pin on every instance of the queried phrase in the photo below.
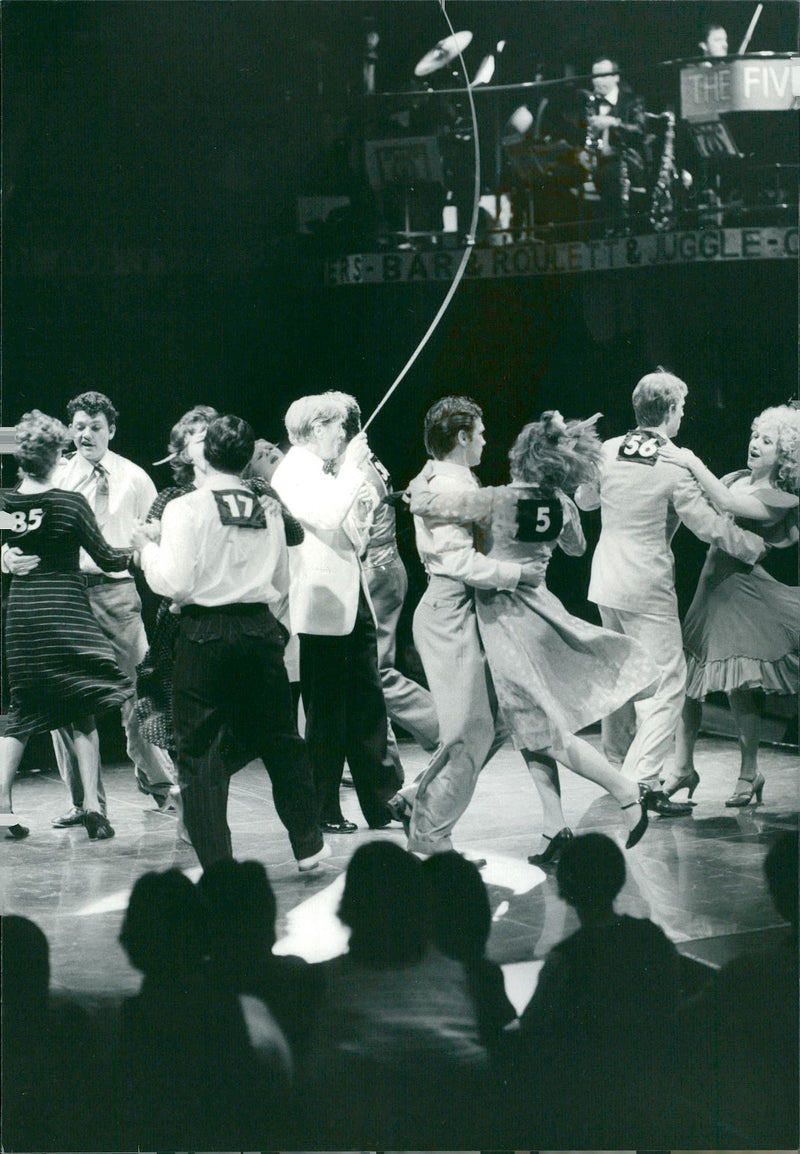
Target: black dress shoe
(98, 827)
(338, 826)
(657, 802)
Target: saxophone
(662, 204)
(593, 140)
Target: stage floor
(699, 877)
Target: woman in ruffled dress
(741, 633)
(554, 674)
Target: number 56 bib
(640, 446)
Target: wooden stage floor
(699, 877)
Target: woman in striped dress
(61, 670)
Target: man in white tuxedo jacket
(642, 500)
(330, 611)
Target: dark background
(152, 157)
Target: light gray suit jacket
(641, 506)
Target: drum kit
(440, 116)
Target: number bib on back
(539, 518)
(641, 447)
(22, 521)
(239, 507)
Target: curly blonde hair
(557, 454)
(40, 440)
(784, 420)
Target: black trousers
(346, 718)
(230, 685)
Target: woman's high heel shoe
(557, 843)
(640, 829)
(98, 827)
(689, 781)
(743, 797)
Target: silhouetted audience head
(461, 917)
(781, 868)
(385, 906)
(240, 907)
(25, 965)
(163, 931)
(590, 872)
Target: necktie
(101, 493)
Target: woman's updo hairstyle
(40, 441)
(557, 454)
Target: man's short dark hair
(229, 444)
(93, 403)
(445, 420)
(610, 60)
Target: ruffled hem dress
(742, 630)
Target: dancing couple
(501, 653)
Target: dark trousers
(230, 686)
(346, 718)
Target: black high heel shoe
(557, 843)
(640, 829)
(98, 827)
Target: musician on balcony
(616, 144)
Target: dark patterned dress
(154, 674)
(60, 666)
(742, 630)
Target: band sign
(640, 447)
(240, 508)
(540, 258)
(539, 520)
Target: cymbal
(445, 52)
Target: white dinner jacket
(325, 571)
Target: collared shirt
(130, 495)
(448, 550)
(200, 560)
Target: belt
(242, 609)
(93, 579)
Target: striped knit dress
(60, 667)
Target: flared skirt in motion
(554, 674)
(60, 666)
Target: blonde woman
(741, 631)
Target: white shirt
(202, 561)
(130, 495)
(449, 550)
